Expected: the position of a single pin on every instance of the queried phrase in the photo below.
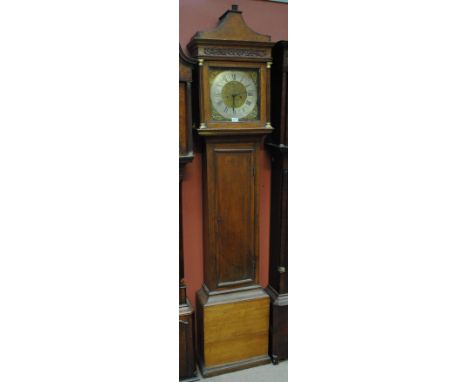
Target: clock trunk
(231, 206)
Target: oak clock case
(232, 309)
(187, 367)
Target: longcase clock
(232, 308)
(187, 367)
(278, 147)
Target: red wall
(197, 15)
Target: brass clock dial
(234, 95)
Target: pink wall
(262, 16)
(196, 15)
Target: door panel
(234, 179)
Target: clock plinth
(232, 329)
(233, 310)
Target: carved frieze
(233, 52)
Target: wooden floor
(266, 373)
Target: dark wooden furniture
(278, 147)
(232, 308)
(187, 367)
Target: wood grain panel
(235, 214)
(235, 332)
(236, 349)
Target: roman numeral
(233, 76)
(250, 94)
(248, 103)
(226, 109)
